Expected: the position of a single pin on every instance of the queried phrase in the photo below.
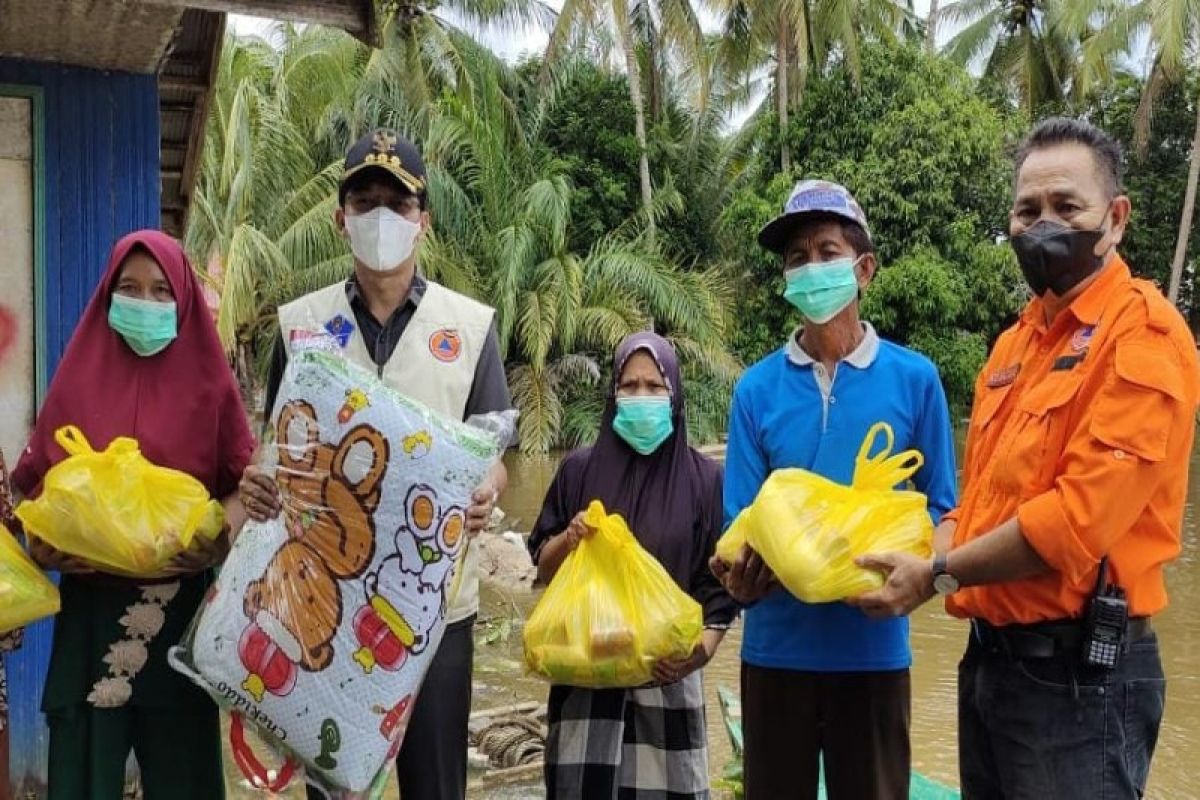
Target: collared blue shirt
(788, 412)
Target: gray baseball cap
(811, 198)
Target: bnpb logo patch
(445, 345)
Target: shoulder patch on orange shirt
(1003, 377)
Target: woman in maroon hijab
(606, 743)
(144, 362)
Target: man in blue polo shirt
(825, 682)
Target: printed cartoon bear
(330, 493)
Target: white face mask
(381, 238)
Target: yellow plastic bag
(809, 529)
(116, 510)
(26, 594)
(610, 613)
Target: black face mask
(1055, 257)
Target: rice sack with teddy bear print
(322, 622)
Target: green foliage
(1155, 181)
(923, 154)
(733, 778)
(590, 141)
(763, 317)
(936, 308)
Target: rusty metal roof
(126, 36)
(180, 40)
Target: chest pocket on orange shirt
(1036, 434)
(1135, 410)
(988, 400)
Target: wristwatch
(943, 582)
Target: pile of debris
(504, 558)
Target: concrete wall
(17, 378)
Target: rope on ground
(512, 741)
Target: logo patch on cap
(818, 198)
(445, 345)
(384, 142)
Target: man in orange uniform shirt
(1073, 494)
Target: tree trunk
(931, 27)
(654, 81)
(1189, 208)
(639, 111)
(781, 93)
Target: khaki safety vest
(434, 363)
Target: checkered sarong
(628, 744)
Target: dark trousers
(1030, 729)
(178, 752)
(432, 764)
(857, 722)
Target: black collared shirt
(489, 388)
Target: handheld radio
(1104, 626)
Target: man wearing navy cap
(825, 682)
(435, 346)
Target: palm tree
(251, 209)
(670, 24)
(931, 21)
(799, 36)
(1174, 30)
(1021, 50)
(262, 229)
(506, 216)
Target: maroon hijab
(670, 498)
(182, 404)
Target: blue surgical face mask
(821, 290)
(147, 326)
(644, 422)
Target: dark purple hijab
(670, 498)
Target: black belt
(1045, 639)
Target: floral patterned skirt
(8, 642)
(111, 641)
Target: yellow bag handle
(610, 529)
(71, 439)
(884, 471)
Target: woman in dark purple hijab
(605, 742)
